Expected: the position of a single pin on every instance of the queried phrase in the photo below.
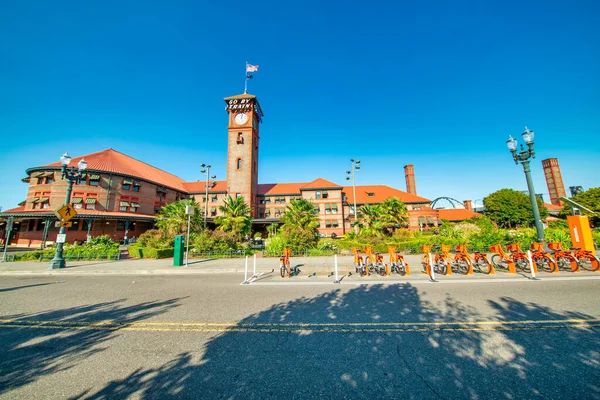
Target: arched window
(239, 163)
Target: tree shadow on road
(380, 342)
(30, 350)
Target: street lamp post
(349, 174)
(206, 170)
(72, 175)
(523, 156)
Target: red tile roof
(456, 214)
(280, 188)
(320, 183)
(113, 161)
(550, 206)
(199, 187)
(380, 193)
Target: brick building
(120, 195)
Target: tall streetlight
(349, 174)
(523, 156)
(73, 175)
(206, 170)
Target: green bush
(150, 252)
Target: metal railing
(83, 257)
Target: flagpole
(246, 80)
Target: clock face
(241, 119)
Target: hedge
(149, 252)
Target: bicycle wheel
(543, 263)
(497, 261)
(588, 262)
(462, 266)
(522, 264)
(482, 266)
(401, 269)
(566, 262)
(282, 270)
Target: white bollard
(336, 266)
(255, 265)
(246, 270)
(432, 276)
(531, 264)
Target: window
(45, 201)
(40, 225)
(90, 203)
(74, 226)
(123, 205)
(327, 208)
(334, 209)
(214, 198)
(94, 180)
(77, 202)
(334, 224)
(277, 213)
(239, 164)
(134, 205)
(127, 184)
(238, 195)
(120, 225)
(370, 194)
(161, 191)
(86, 225)
(267, 200)
(213, 211)
(316, 208)
(136, 186)
(318, 194)
(267, 213)
(325, 195)
(240, 138)
(261, 200)
(327, 224)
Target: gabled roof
(200, 187)
(118, 163)
(81, 213)
(379, 194)
(320, 183)
(271, 189)
(456, 214)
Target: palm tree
(393, 213)
(300, 224)
(236, 217)
(173, 220)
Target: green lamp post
(351, 174)
(523, 157)
(72, 175)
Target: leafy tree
(172, 219)
(236, 217)
(509, 208)
(589, 199)
(300, 224)
(393, 214)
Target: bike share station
(438, 264)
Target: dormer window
(370, 194)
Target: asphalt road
(208, 337)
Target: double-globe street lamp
(523, 157)
(351, 174)
(72, 175)
(206, 170)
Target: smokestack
(409, 174)
(468, 205)
(556, 187)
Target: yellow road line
(302, 327)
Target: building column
(45, 233)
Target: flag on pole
(251, 68)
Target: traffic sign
(66, 224)
(66, 212)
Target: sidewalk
(313, 269)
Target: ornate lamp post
(206, 170)
(523, 156)
(349, 174)
(73, 175)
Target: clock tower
(245, 116)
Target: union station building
(120, 195)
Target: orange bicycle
(359, 262)
(465, 263)
(586, 259)
(397, 263)
(541, 259)
(577, 259)
(519, 258)
(564, 258)
(284, 264)
(441, 260)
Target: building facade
(119, 196)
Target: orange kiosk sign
(581, 233)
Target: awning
(37, 174)
(95, 177)
(76, 200)
(421, 220)
(213, 209)
(134, 204)
(124, 204)
(127, 181)
(44, 200)
(35, 199)
(90, 201)
(137, 183)
(430, 221)
(25, 180)
(48, 174)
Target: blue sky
(436, 84)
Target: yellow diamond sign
(66, 212)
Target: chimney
(409, 174)
(556, 187)
(468, 205)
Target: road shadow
(10, 289)
(375, 342)
(28, 352)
